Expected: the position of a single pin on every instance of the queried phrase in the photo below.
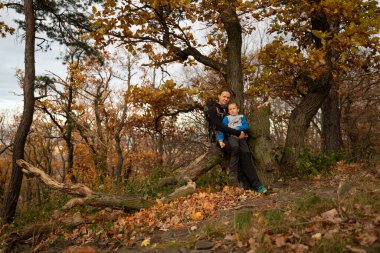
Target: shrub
(313, 164)
(215, 177)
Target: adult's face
(224, 97)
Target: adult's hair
(226, 89)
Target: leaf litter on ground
(277, 222)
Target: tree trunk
(120, 158)
(100, 157)
(299, 122)
(261, 145)
(160, 148)
(117, 137)
(318, 90)
(69, 132)
(13, 193)
(331, 131)
(234, 70)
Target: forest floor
(338, 212)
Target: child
(239, 148)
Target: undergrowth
(316, 163)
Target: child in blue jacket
(239, 147)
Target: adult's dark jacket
(215, 113)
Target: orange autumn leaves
(185, 211)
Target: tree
(160, 107)
(360, 93)
(118, 114)
(326, 38)
(189, 32)
(164, 30)
(61, 105)
(72, 22)
(11, 198)
(331, 131)
(4, 28)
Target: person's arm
(215, 120)
(244, 124)
(220, 136)
(220, 133)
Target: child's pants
(241, 163)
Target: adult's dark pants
(241, 164)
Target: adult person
(246, 172)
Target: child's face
(233, 109)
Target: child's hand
(222, 144)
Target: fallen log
(98, 199)
(9, 241)
(89, 196)
(86, 197)
(195, 169)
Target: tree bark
(69, 133)
(196, 168)
(299, 122)
(9, 241)
(234, 70)
(90, 197)
(318, 90)
(120, 157)
(261, 145)
(331, 131)
(11, 199)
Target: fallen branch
(195, 169)
(90, 197)
(86, 197)
(99, 199)
(9, 241)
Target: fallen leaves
(366, 239)
(331, 216)
(280, 241)
(297, 232)
(145, 242)
(317, 236)
(79, 249)
(197, 216)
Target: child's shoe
(261, 189)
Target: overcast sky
(12, 57)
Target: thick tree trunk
(261, 145)
(318, 90)
(299, 122)
(234, 70)
(331, 131)
(11, 199)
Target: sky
(12, 57)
